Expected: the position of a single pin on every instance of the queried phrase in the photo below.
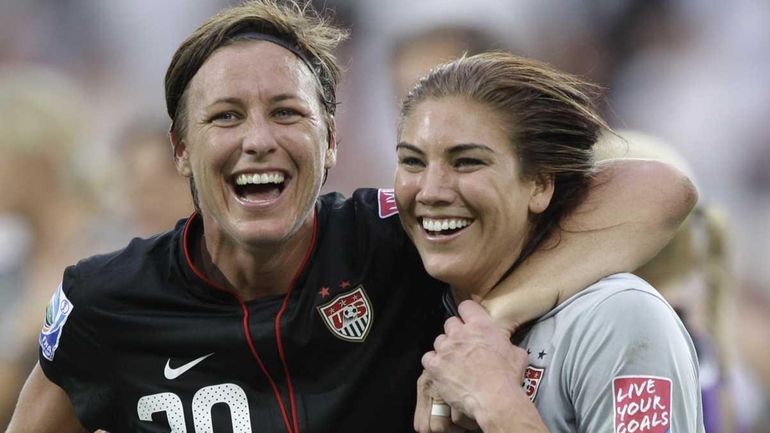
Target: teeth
(437, 225)
(259, 179)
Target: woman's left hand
(427, 421)
(475, 368)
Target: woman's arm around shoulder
(633, 208)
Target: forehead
(252, 69)
(452, 120)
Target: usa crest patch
(387, 202)
(642, 404)
(349, 315)
(532, 378)
(56, 313)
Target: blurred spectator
(388, 41)
(415, 53)
(42, 119)
(704, 88)
(14, 238)
(694, 273)
(153, 195)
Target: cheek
(405, 189)
(208, 153)
(306, 147)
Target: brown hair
(550, 117)
(296, 24)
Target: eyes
(224, 118)
(468, 163)
(414, 162)
(280, 115)
(286, 114)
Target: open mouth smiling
(258, 187)
(444, 226)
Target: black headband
(175, 91)
(257, 36)
(299, 52)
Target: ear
(331, 150)
(541, 194)
(181, 155)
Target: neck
(460, 295)
(477, 287)
(259, 272)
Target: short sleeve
(71, 355)
(632, 368)
(378, 226)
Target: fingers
(452, 325)
(431, 414)
(441, 418)
(428, 360)
(464, 421)
(473, 312)
(476, 317)
(520, 361)
(504, 319)
(423, 407)
(440, 341)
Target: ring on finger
(440, 409)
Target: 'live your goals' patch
(642, 404)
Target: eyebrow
(273, 99)
(283, 97)
(226, 100)
(457, 148)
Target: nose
(435, 186)
(258, 138)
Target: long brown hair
(550, 118)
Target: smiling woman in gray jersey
(494, 150)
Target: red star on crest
(345, 284)
(324, 292)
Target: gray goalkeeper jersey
(614, 358)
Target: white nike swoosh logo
(173, 373)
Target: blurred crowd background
(85, 164)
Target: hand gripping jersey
(613, 358)
(141, 342)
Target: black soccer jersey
(142, 342)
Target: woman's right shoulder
(367, 224)
(370, 209)
(114, 270)
(625, 307)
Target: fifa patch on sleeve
(642, 404)
(59, 308)
(387, 201)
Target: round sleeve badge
(56, 313)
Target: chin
(267, 233)
(444, 270)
